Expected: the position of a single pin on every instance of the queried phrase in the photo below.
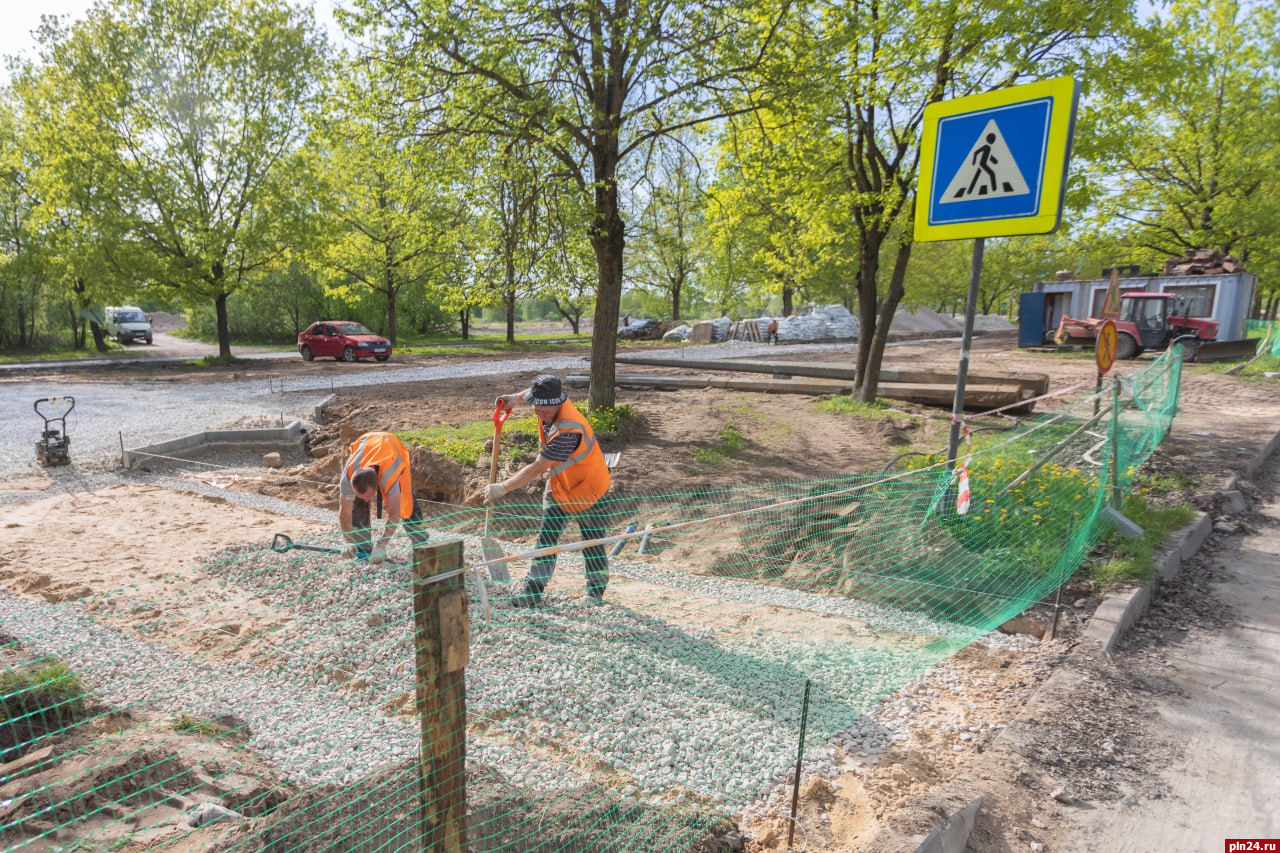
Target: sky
(18, 18)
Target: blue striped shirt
(560, 446)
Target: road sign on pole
(1105, 351)
(1111, 304)
(995, 164)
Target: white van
(127, 324)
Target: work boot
(525, 601)
(590, 600)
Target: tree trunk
(509, 300)
(224, 327)
(99, 336)
(1270, 313)
(22, 325)
(868, 269)
(897, 287)
(608, 238)
(676, 287)
(786, 300)
(392, 290)
(464, 319)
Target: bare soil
(1096, 745)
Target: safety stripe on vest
(391, 475)
(588, 442)
(357, 456)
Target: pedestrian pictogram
(994, 165)
(989, 171)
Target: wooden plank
(977, 397)
(441, 650)
(1035, 383)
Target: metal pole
(962, 372)
(795, 789)
(1115, 443)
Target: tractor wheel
(307, 354)
(1126, 347)
(349, 354)
(1190, 349)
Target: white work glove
(379, 552)
(493, 492)
(348, 553)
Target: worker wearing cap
(577, 479)
(377, 470)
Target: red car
(344, 340)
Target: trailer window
(1199, 297)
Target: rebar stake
(795, 789)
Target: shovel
(489, 548)
(281, 543)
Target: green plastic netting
(644, 724)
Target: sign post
(993, 165)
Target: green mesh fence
(648, 723)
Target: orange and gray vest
(384, 451)
(583, 478)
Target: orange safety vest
(582, 479)
(384, 451)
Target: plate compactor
(54, 446)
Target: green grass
(731, 441)
(198, 726)
(57, 353)
(464, 443)
(1134, 559)
(847, 405)
(46, 693)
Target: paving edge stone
(1120, 611)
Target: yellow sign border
(1064, 92)
(1106, 346)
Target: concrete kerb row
(1120, 611)
(288, 437)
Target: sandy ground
(147, 544)
(1220, 711)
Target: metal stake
(795, 789)
(962, 372)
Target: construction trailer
(1224, 298)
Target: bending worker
(577, 479)
(377, 471)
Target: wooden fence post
(442, 649)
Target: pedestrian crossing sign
(995, 164)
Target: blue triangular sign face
(989, 171)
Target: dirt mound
(163, 321)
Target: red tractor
(1148, 321)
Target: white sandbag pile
(679, 333)
(826, 322)
(720, 328)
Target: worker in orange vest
(577, 479)
(377, 470)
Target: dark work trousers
(592, 522)
(362, 531)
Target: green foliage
(608, 420)
(731, 441)
(188, 724)
(46, 693)
(465, 443)
(846, 405)
(1134, 559)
